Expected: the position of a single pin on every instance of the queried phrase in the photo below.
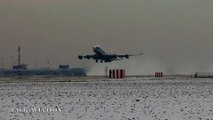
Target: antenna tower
(19, 62)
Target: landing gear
(101, 61)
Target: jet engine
(80, 57)
(127, 56)
(88, 57)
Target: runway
(103, 99)
(85, 78)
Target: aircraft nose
(94, 47)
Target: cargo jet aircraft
(102, 56)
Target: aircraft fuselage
(98, 51)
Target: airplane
(102, 56)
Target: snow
(129, 99)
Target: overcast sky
(173, 32)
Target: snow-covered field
(135, 99)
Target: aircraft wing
(87, 57)
(136, 54)
(128, 55)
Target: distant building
(43, 72)
(63, 67)
(22, 67)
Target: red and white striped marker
(116, 73)
(159, 74)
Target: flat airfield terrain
(103, 99)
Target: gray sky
(175, 33)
